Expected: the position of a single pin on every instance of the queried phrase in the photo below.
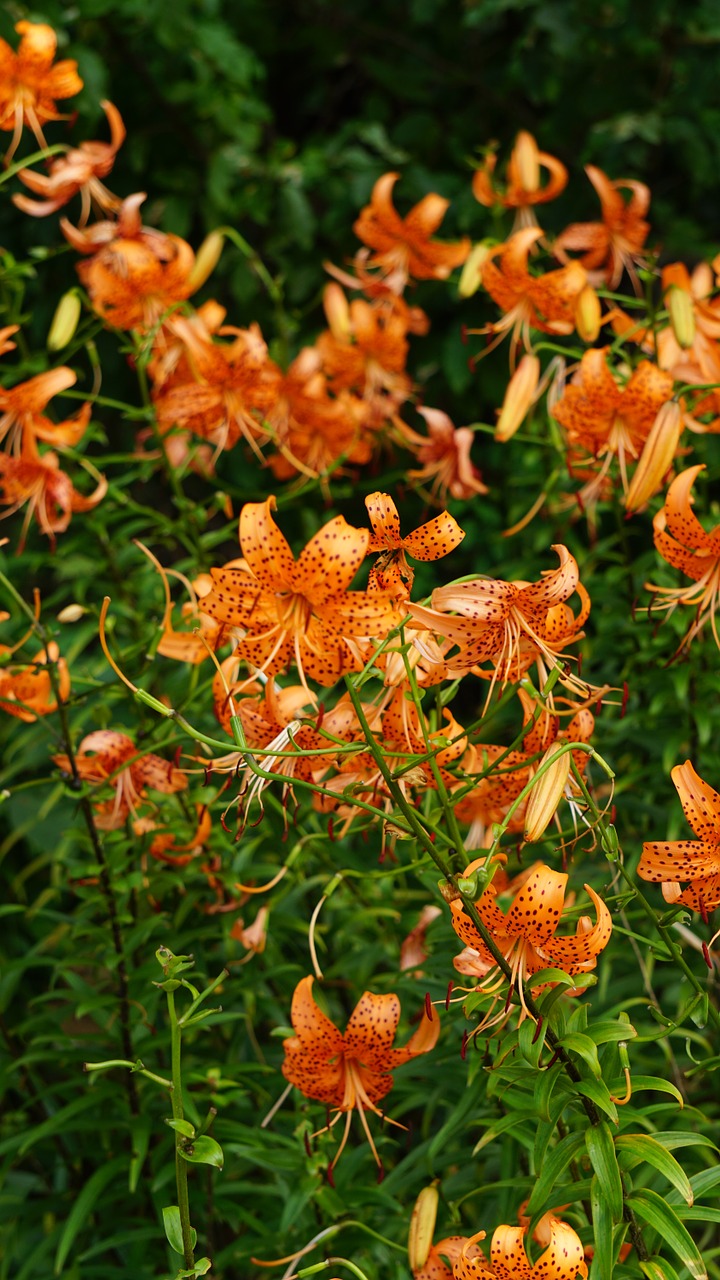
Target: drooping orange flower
(351, 1071)
(22, 421)
(544, 302)
(693, 863)
(402, 246)
(510, 624)
(79, 172)
(108, 758)
(312, 429)
(30, 84)
(133, 274)
(431, 541)
(609, 420)
(365, 351)
(526, 936)
(26, 690)
(563, 1259)
(684, 544)
(524, 187)
(447, 469)
(301, 610)
(51, 497)
(616, 244)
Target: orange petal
(385, 522)
(371, 1030)
(329, 562)
(264, 547)
(701, 804)
(313, 1028)
(579, 953)
(508, 1257)
(434, 539)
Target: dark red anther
(463, 334)
(428, 1005)
(706, 955)
(381, 1171)
(431, 837)
(320, 715)
(613, 815)
(579, 663)
(330, 1175)
(306, 1140)
(598, 707)
(553, 1060)
(224, 824)
(704, 912)
(464, 1045)
(331, 829)
(177, 757)
(449, 993)
(538, 1029)
(508, 1001)
(472, 363)
(579, 500)
(626, 695)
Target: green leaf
(585, 1048)
(82, 1207)
(501, 1126)
(607, 1031)
(660, 1086)
(544, 1088)
(173, 1228)
(602, 1264)
(658, 1269)
(555, 1163)
(140, 1130)
(643, 1148)
(182, 1126)
(598, 1093)
(659, 1215)
(203, 1150)
(601, 1150)
(201, 1268)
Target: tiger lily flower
(311, 428)
(31, 82)
(524, 187)
(26, 690)
(526, 936)
(402, 246)
(365, 350)
(545, 302)
(431, 541)
(298, 610)
(445, 456)
(351, 1071)
(614, 245)
(51, 497)
(78, 172)
(683, 543)
(563, 1259)
(22, 421)
(107, 757)
(695, 863)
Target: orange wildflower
(614, 245)
(163, 846)
(445, 456)
(402, 246)
(26, 690)
(431, 541)
(365, 351)
(563, 1259)
(545, 302)
(312, 429)
(107, 757)
(48, 491)
(351, 1071)
(22, 421)
(526, 935)
(695, 863)
(298, 610)
(524, 187)
(79, 172)
(683, 543)
(134, 274)
(608, 420)
(30, 84)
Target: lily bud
(471, 274)
(206, 259)
(682, 315)
(422, 1227)
(524, 162)
(337, 311)
(656, 457)
(71, 613)
(546, 793)
(65, 321)
(587, 314)
(520, 394)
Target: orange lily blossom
(133, 273)
(351, 1071)
(51, 497)
(299, 610)
(30, 83)
(614, 245)
(445, 456)
(107, 757)
(402, 246)
(312, 429)
(79, 172)
(510, 624)
(22, 421)
(609, 420)
(563, 1259)
(431, 541)
(683, 543)
(365, 351)
(695, 863)
(26, 689)
(523, 186)
(545, 302)
(526, 935)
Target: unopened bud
(587, 314)
(469, 885)
(524, 163)
(656, 457)
(337, 311)
(547, 792)
(682, 315)
(206, 260)
(422, 1227)
(519, 396)
(65, 321)
(71, 613)
(471, 274)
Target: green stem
(177, 1110)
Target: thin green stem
(178, 1114)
